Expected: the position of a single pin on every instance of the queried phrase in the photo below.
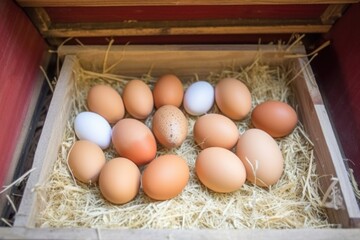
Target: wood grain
(101, 30)
(68, 3)
(165, 234)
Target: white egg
(199, 98)
(93, 127)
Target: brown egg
(119, 180)
(165, 177)
(132, 139)
(138, 99)
(215, 130)
(276, 118)
(220, 170)
(233, 98)
(261, 156)
(107, 102)
(170, 126)
(168, 90)
(85, 161)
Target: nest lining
(293, 202)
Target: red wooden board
(338, 73)
(20, 56)
(152, 13)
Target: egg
(261, 156)
(165, 177)
(119, 180)
(107, 102)
(132, 139)
(220, 170)
(93, 127)
(199, 98)
(215, 130)
(85, 160)
(168, 90)
(233, 98)
(170, 126)
(274, 117)
(138, 99)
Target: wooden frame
(52, 30)
(184, 61)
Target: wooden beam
(40, 18)
(332, 13)
(79, 3)
(279, 29)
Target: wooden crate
(183, 61)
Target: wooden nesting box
(190, 22)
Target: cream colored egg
(261, 156)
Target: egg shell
(233, 98)
(215, 130)
(168, 90)
(199, 98)
(220, 170)
(165, 177)
(119, 180)
(274, 117)
(93, 127)
(138, 99)
(107, 102)
(85, 160)
(132, 139)
(170, 126)
(261, 157)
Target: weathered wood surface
(80, 233)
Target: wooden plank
(46, 152)
(332, 13)
(81, 233)
(310, 101)
(40, 18)
(187, 30)
(338, 160)
(79, 3)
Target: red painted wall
(338, 73)
(21, 50)
(169, 13)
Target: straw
(293, 202)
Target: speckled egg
(170, 126)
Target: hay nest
(294, 202)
